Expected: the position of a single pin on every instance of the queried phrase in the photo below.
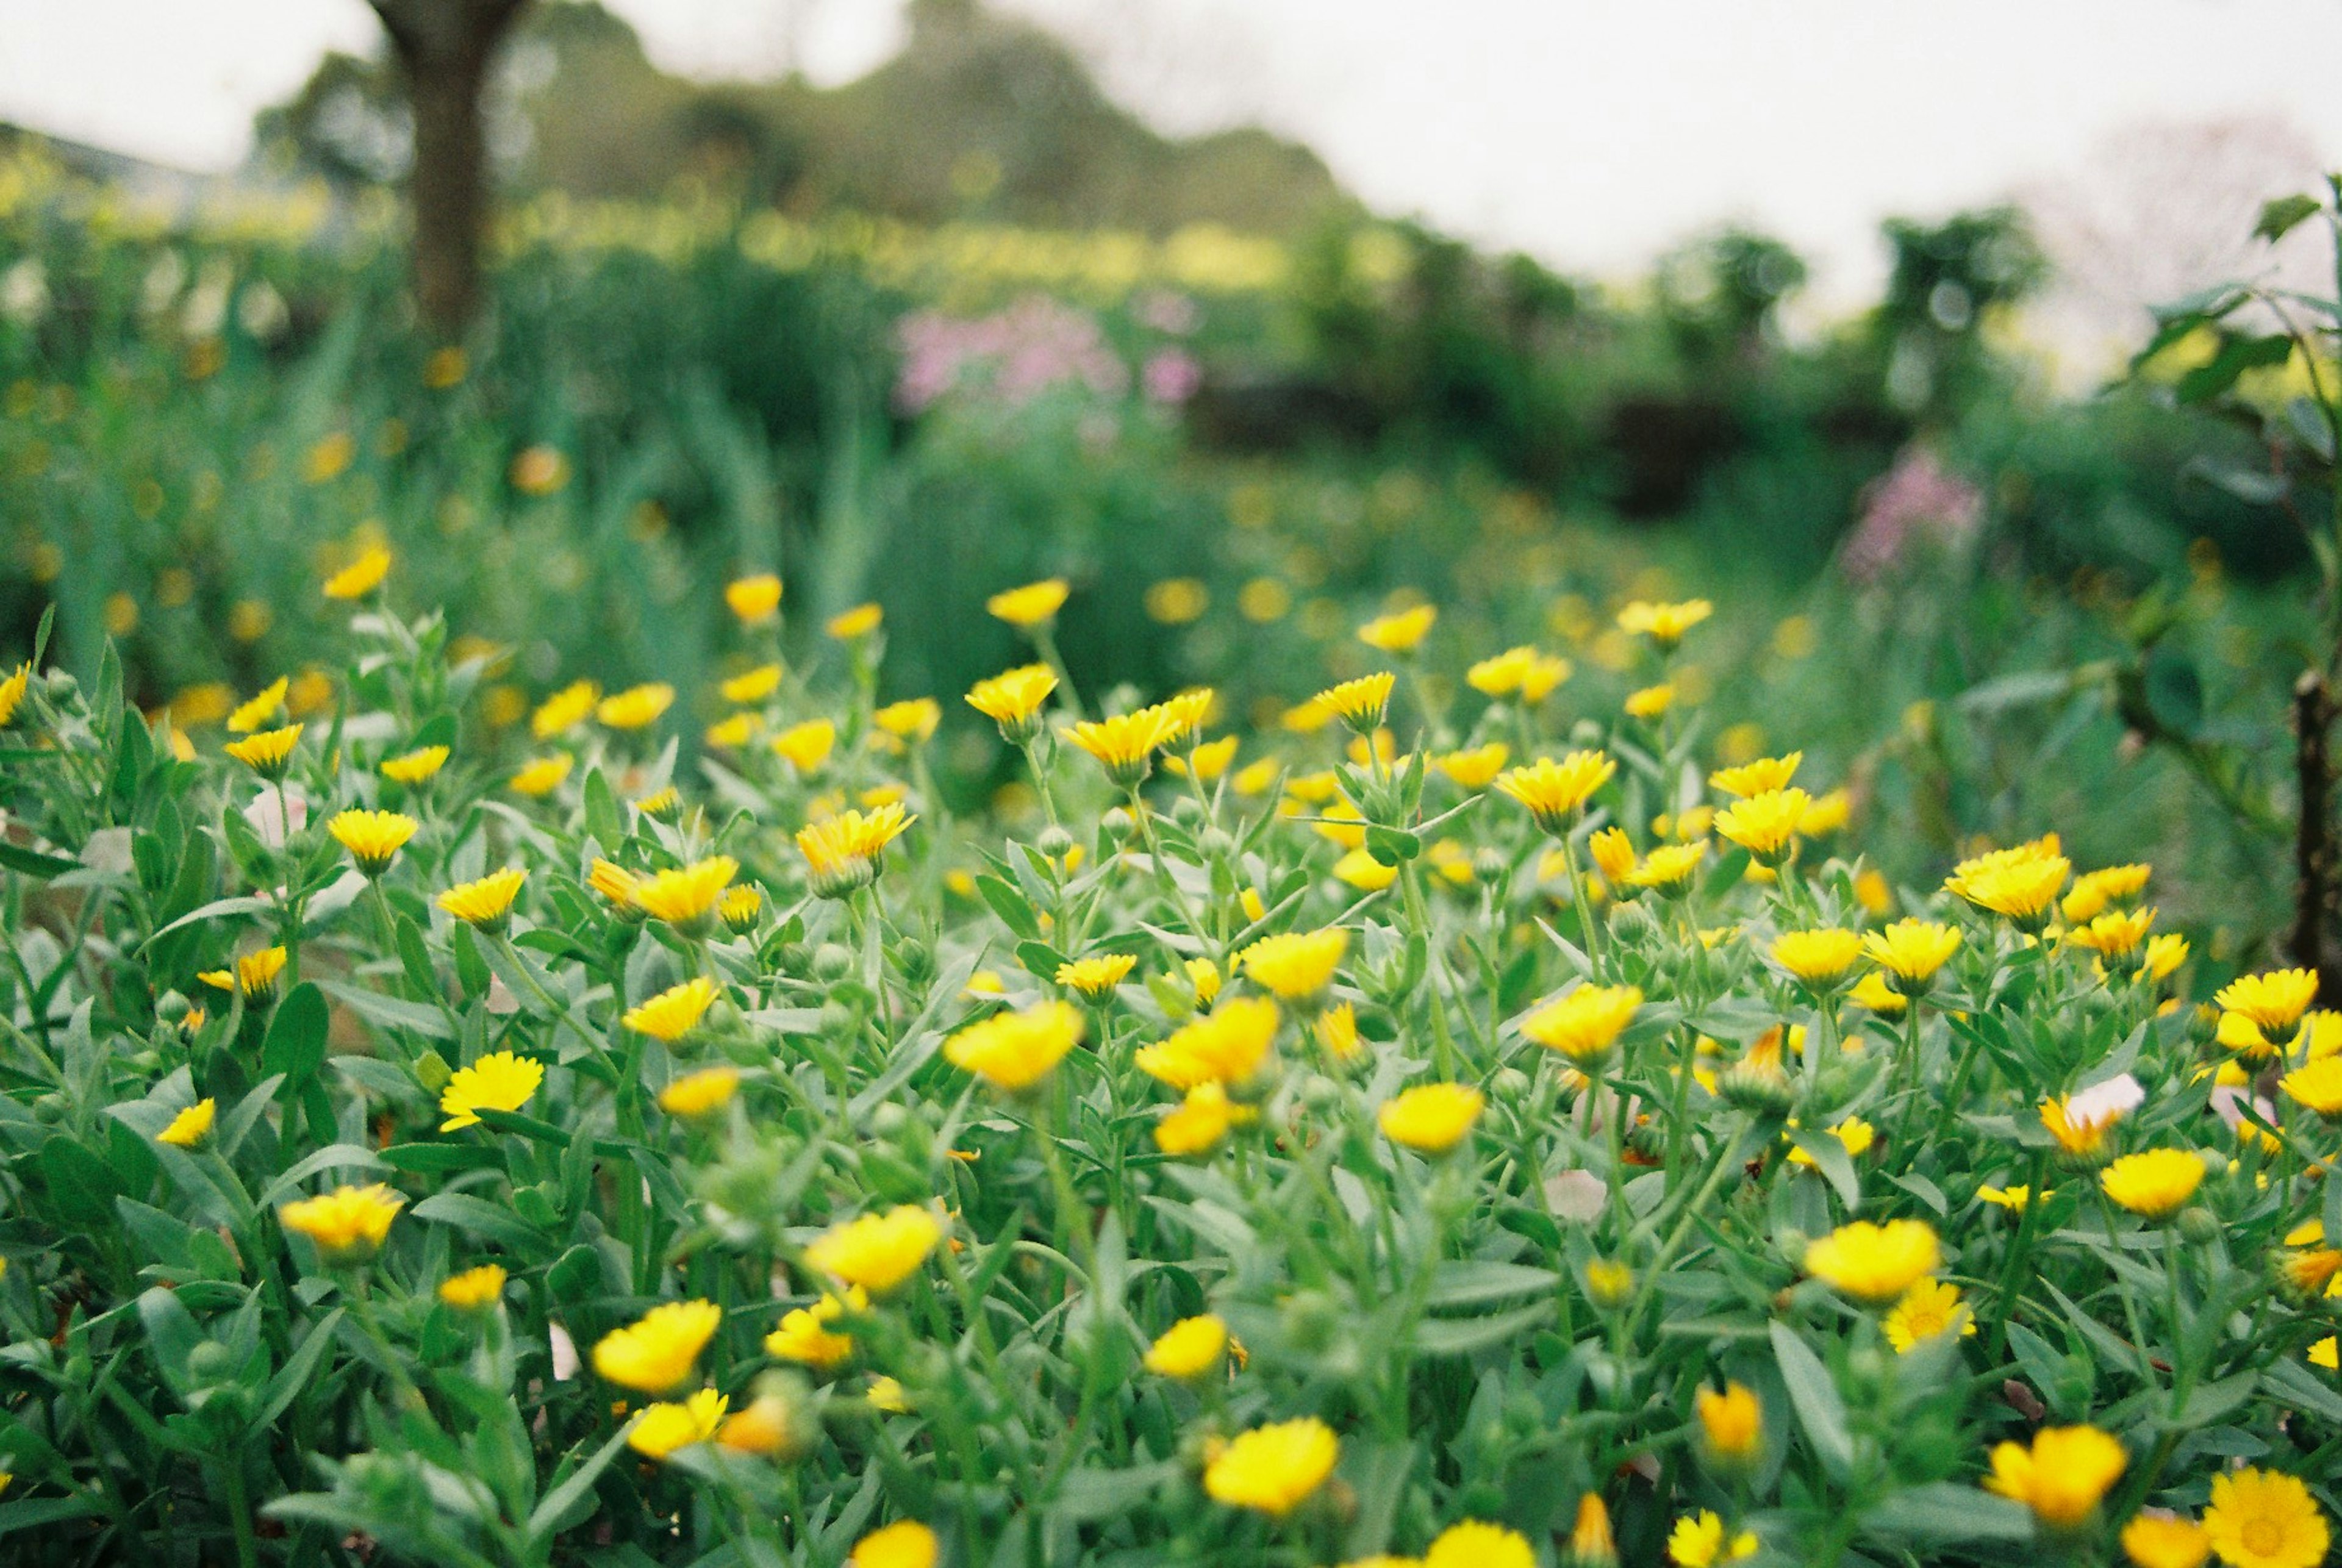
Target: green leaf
(2238, 352)
(294, 1376)
(1944, 1510)
(1460, 1336)
(1011, 905)
(1391, 847)
(1820, 1411)
(1471, 1284)
(32, 863)
(568, 1504)
(391, 1012)
(295, 1045)
(2279, 217)
(440, 1159)
(480, 1217)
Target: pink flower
(1171, 375)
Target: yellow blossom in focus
(1700, 1541)
(487, 902)
(1762, 776)
(372, 837)
(843, 853)
(261, 708)
(1096, 977)
(2265, 1518)
(1124, 744)
(685, 896)
(1765, 825)
(362, 577)
(1927, 1309)
(500, 1081)
(1912, 950)
(348, 1223)
(191, 1126)
(1013, 700)
(1820, 958)
(674, 1011)
(1554, 792)
(268, 752)
(1361, 702)
(1296, 966)
(2274, 1001)
(2154, 1183)
(1584, 1025)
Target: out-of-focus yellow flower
(1591, 1544)
(1273, 1469)
(755, 598)
(1875, 1263)
(804, 1334)
(544, 776)
(475, 1289)
(565, 710)
(911, 719)
(700, 1093)
(2165, 1541)
(1034, 604)
(657, 1352)
(1731, 1423)
(1663, 624)
(1014, 1050)
(2093, 890)
(674, 1011)
(1474, 1544)
(1198, 1124)
(877, 1252)
(2062, 1476)
(1650, 702)
(734, 732)
(661, 1428)
(12, 692)
(851, 625)
(1700, 1541)
(1362, 871)
(261, 707)
(1177, 601)
(1401, 632)
(1191, 1348)
(1585, 1024)
(538, 471)
(1226, 1045)
(1927, 1309)
(1296, 966)
(806, 747)
(1431, 1118)
(1207, 761)
(412, 768)
(752, 685)
(636, 707)
(361, 576)
(500, 1081)
(904, 1544)
(349, 1224)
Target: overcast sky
(1592, 132)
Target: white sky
(1592, 133)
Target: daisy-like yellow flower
(1198, 1124)
(1228, 1046)
(565, 710)
(657, 1352)
(843, 853)
(1273, 1469)
(2113, 934)
(1663, 623)
(1825, 814)
(806, 747)
(372, 837)
(412, 768)
(674, 1011)
(1203, 980)
(660, 1429)
(1762, 776)
(475, 1289)
(349, 1224)
(700, 1093)
(804, 1334)
(1014, 1050)
(739, 908)
(1872, 1262)
(1124, 745)
(1095, 977)
(1669, 868)
(1854, 1134)
(2163, 956)
(12, 692)
(907, 1544)
(1474, 1544)
(1927, 1309)
(2012, 1198)
(877, 1252)
(2165, 1541)
(2022, 882)
(1545, 672)
(1361, 702)
(1613, 854)
(499, 1080)
(2275, 1001)
(263, 707)
(1700, 1541)
(1820, 958)
(733, 732)
(1731, 1425)
(686, 895)
(911, 719)
(852, 625)
(636, 707)
(1033, 606)
(2062, 1477)
(1401, 632)
(751, 685)
(1190, 1348)
(1650, 702)
(1013, 700)
(2266, 1519)
(190, 1126)
(615, 884)
(487, 903)
(1296, 966)
(269, 753)
(1585, 1024)
(2317, 1085)
(1501, 675)
(1478, 767)
(1431, 1118)
(754, 599)
(1556, 791)
(2155, 1183)
(543, 775)
(2093, 890)
(1765, 825)
(1911, 951)
(255, 974)
(361, 576)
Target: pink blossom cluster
(1013, 354)
(1920, 501)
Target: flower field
(1456, 1124)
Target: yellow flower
(806, 747)
(255, 974)
(1473, 1544)
(1650, 702)
(2275, 1001)
(372, 837)
(752, 685)
(1198, 1124)
(348, 1223)
(474, 1290)
(2154, 1183)
(1912, 950)
(674, 1011)
(1014, 1050)
(1668, 868)
(2317, 1085)
(1296, 966)
(1227, 1046)
(685, 895)
(1362, 871)
(1096, 977)
(1013, 700)
(1207, 761)
(1731, 1423)
(1663, 624)
(1614, 853)
(500, 1081)
(268, 752)
(634, 708)
(843, 853)
(2012, 1198)
(769, 1426)
(2264, 1519)
(1203, 979)
(754, 599)
(1762, 776)
(543, 775)
(361, 576)
(1584, 1025)
(1501, 676)
(2082, 1138)
(1875, 1263)
(2062, 1476)
(1591, 1544)
(877, 1252)
(1190, 1348)
(1765, 825)
(190, 1126)
(700, 1093)
(1177, 601)
(847, 626)
(12, 692)
(1543, 674)
(2326, 1352)
(907, 1544)
(1819, 958)
(911, 719)
(804, 1334)
(1476, 768)
(1431, 1118)
(1554, 792)
(1699, 1540)
(2114, 932)
(657, 1350)
(1361, 702)
(1927, 1309)
(2022, 883)
(2165, 1541)
(565, 710)
(260, 709)
(1273, 1469)
(2164, 955)
(487, 903)
(1854, 1134)
(885, 1393)
(1034, 604)
(538, 471)
(661, 1429)
(412, 767)
(1402, 633)
(1124, 744)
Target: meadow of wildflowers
(1457, 1124)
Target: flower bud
(832, 963)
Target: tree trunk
(445, 49)
(2314, 849)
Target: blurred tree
(445, 49)
(1947, 281)
(1721, 295)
